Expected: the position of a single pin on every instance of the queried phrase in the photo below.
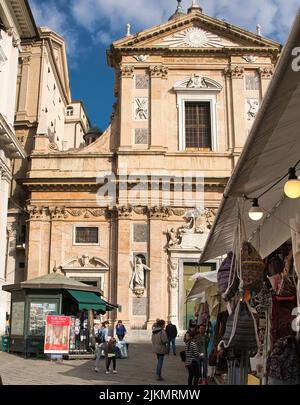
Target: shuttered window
(198, 125)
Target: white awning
(273, 146)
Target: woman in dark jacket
(159, 342)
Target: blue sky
(89, 26)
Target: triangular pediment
(195, 31)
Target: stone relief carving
(197, 81)
(236, 72)
(40, 213)
(124, 211)
(85, 260)
(159, 212)
(159, 71)
(197, 222)
(173, 277)
(193, 38)
(142, 82)
(266, 72)
(250, 58)
(141, 109)
(141, 58)
(127, 71)
(252, 106)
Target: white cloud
(51, 14)
(110, 17)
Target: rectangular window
(87, 235)
(198, 125)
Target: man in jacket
(159, 342)
(171, 331)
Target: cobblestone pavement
(138, 369)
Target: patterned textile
(284, 361)
(252, 268)
(282, 319)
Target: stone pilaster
(23, 92)
(126, 106)
(158, 274)
(39, 225)
(158, 74)
(236, 76)
(124, 270)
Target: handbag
(241, 329)
(225, 279)
(252, 268)
(182, 355)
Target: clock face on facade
(193, 38)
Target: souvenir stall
(54, 294)
(259, 214)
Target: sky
(90, 26)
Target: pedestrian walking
(172, 333)
(110, 355)
(202, 340)
(120, 331)
(192, 356)
(159, 342)
(101, 338)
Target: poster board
(57, 334)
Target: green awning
(88, 300)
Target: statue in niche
(137, 282)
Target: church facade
(130, 212)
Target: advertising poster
(57, 334)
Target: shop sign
(57, 334)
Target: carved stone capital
(58, 213)
(124, 211)
(127, 71)
(26, 60)
(159, 71)
(266, 72)
(159, 212)
(38, 213)
(235, 72)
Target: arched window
(70, 111)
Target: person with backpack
(120, 331)
(110, 349)
(192, 356)
(101, 338)
(159, 342)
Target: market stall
(54, 294)
(260, 213)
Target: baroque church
(130, 212)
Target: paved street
(138, 369)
